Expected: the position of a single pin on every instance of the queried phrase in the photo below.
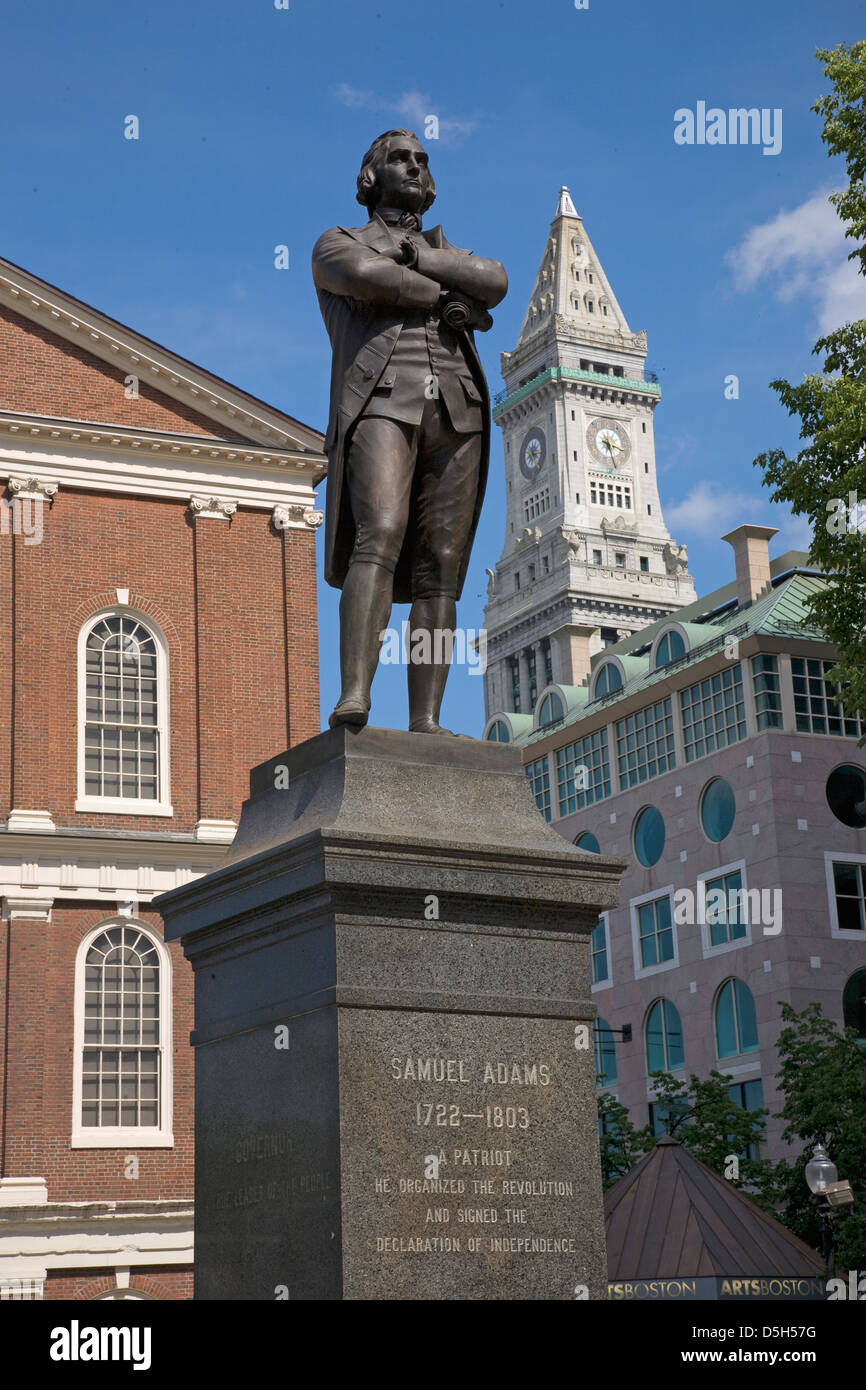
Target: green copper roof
(780, 613)
(613, 383)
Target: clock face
(533, 452)
(608, 442)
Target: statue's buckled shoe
(352, 710)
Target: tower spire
(587, 557)
(565, 206)
(571, 288)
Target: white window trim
(607, 661)
(641, 971)
(701, 905)
(604, 919)
(124, 1136)
(840, 857)
(670, 627)
(124, 805)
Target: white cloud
(709, 510)
(795, 532)
(412, 106)
(804, 252)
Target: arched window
(605, 1053)
(498, 732)
(122, 716)
(736, 1025)
(669, 648)
(607, 679)
(550, 709)
(854, 1004)
(664, 1037)
(122, 1066)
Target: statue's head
(394, 172)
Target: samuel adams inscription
(465, 1163)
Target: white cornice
(234, 411)
(85, 1235)
(36, 868)
(149, 463)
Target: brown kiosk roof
(671, 1217)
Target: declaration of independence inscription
(465, 1163)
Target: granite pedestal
(395, 1084)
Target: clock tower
(587, 558)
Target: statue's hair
(368, 182)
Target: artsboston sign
(679, 1290)
(664, 1219)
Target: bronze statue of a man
(409, 430)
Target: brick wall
(239, 620)
(236, 603)
(167, 1282)
(41, 969)
(45, 375)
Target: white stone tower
(587, 558)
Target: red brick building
(157, 639)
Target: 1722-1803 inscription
(468, 1160)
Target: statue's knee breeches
(378, 543)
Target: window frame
(125, 805)
(603, 666)
(642, 971)
(124, 1136)
(595, 986)
(840, 857)
(597, 1045)
(707, 947)
(666, 632)
(734, 981)
(661, 999)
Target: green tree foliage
(621, 1144)
(698, 1114)
(826, 480)
(823, 1078)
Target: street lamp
(822, 1178)
(820, 1170)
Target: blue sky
(253, 121)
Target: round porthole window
(846, 795)
(718, 808)
(649, 836)
(588, 842)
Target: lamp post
(822, 1179)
